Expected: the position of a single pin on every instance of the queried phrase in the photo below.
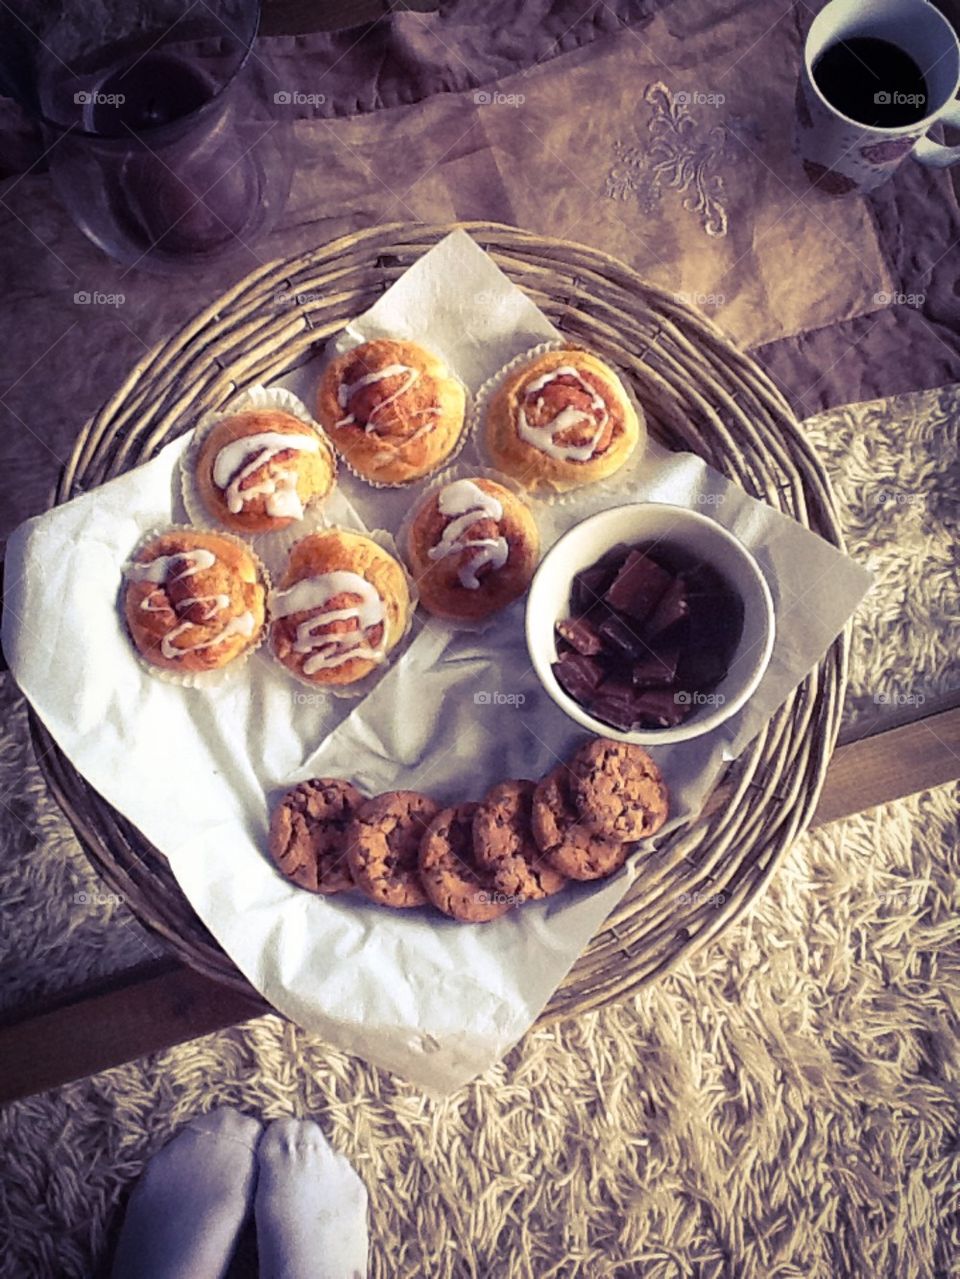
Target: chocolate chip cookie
(308, 834)
(504, 844)
(618, 789)
(567, 843)
(449, 872)
(383, 846)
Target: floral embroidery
(681, 154)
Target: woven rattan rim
(700, 393)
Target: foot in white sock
(310, 1207)
(186, 1210)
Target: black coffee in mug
(873, 82)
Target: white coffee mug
(841, 155)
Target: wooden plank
(149, 1009)
(890, 765)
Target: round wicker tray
(700, 393)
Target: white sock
(310, 1207)
(186, 1210)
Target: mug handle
(935, 153)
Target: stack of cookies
(474, 862)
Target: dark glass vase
(155, 139)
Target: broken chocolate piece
(713, 632)
(589, 586)
(659, 708)
(621, 637)
(656, 669)
(581, 634)
(614, 700)
(671, 609)
(615, 711)
(577, 675)
(651, 627)
(638, 587)
(617, 686)
(612, 560)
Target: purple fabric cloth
(411, 55)
(907, 345)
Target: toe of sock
(228, 1123)
(284, 1137)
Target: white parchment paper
(433, 1000)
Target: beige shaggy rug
(784, 1106)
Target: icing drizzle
(163, 569)
(468, 504)
(332, 649)
(242, 625)
(347, 390)
(544, 437)
(242, 457)
(214, 603)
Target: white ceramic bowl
(581, 546)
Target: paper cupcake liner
(255, 397)
(542, 493)
(361, 687)
(338, 348)
(439, 482)
(198, 679)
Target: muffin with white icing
(472, 547)
(561, 420)
(193, 601)
(340, 608)
(258, 470)
(393, 410)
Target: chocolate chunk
(656, 669)
(578, 675)
(651, 627)
(612, 560)
(615, 711)
(714, 628)
(617, 686)
(659, 708)
(589, 586)
(581, 634)
(621, 638)
(616, 672)
(672, 608)
(638, 586)
(614, 700)
(672, 559)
